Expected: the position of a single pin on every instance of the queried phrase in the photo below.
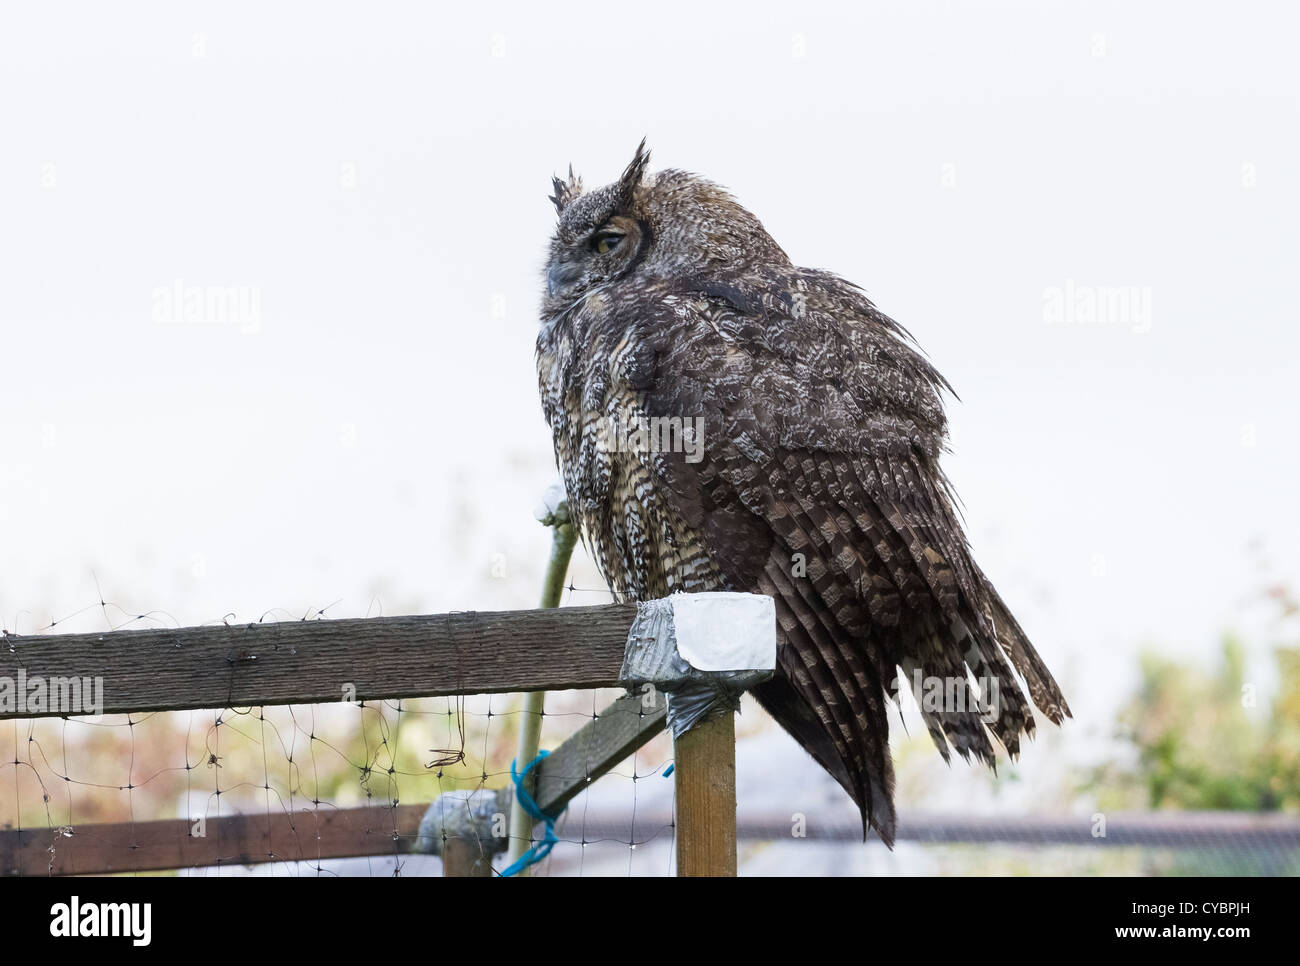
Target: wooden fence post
(463, 827)
(464, 858)
(704, 650)
(704, 770)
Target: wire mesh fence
(92, 791)
(92, 785)
(338, 788)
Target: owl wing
(818, 483)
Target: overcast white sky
(373, 177)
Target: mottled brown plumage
(814, 476)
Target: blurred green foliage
(1208, 739)
(1205, 739)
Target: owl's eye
(605, 242)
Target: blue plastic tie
(543, 848)
(669, 770)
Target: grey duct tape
(465, 814)
(652, 657)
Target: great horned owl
(725, 420)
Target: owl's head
(669, 224)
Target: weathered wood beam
(307, 662)
(627, 724)
(622, 728)
(309, 835)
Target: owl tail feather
(793, 713)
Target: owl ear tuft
(565, 192)
(632, 175)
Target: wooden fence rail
(310, 662)
(316, 661)
(322, 661)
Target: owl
(726, 420)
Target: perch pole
(554, 513)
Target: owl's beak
(561, 275)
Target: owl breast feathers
(725, 420)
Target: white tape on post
(725, 631)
